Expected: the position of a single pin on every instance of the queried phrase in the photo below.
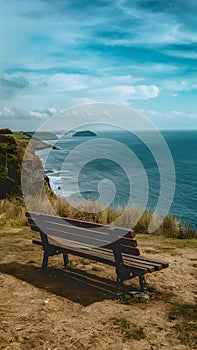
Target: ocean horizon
(182, 145)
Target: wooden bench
(106, 244)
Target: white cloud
(127, 92)
(159, 27)
(39, 115)
(151, 33)
(180, 84)
(182, 53)
(180, 115)
(52, 110)
(65, 90)
(150, 67)
(58, 49)
(12, 113)
(172, 119)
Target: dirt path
(74, 310)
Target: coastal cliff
(12, 151)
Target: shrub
(5, 131)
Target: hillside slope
(12, 151)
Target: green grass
(95, 268)
(165, 249)
(161, 241)
(2, 223)
(19, 136)
(127, 299)
(150, 251)
(70, 264)
(185, 317)
(129, 330)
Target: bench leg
(66, 261)
(45, 262)
(142, 281)
(119, 288)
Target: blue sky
(57, 54)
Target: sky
(57, 54)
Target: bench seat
(102, 243)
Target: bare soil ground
(75, 310)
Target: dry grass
(13, 211)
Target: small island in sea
(85, 133)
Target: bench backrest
(82, 234)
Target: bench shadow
(73, 284)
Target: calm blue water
(182, 145)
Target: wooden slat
(63, 226)
(88, 240)
(127, 262)
(100, 256)
(108, 256)
(127, 242)
(82, 225)
(129, 250)
(155, 261)
(157, 266)
(86, 237)
(128, 259)
(76, 236)
(89, 244)
(163, 263)
(92, 241)
(60, 230)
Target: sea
(81, 165)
